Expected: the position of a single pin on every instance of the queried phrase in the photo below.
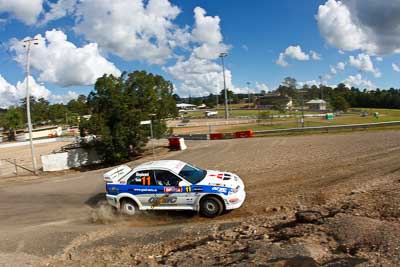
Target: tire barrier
(244, 134)
(216, 136)
(177, 143)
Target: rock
(298, 261)
(308, 216)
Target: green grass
(351, 117)
(386, 115)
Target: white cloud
(64, 98)
(36, 90)
(395, 67)
(380, 59)
(369, 25)
(341, 66)
(281, 60)
(59, 10)
(131, 29)
(61, 62)
(199, 74)
(11, 95)
(364, 63)
(207, 32)
(314, 55)
(358, 81)
(308, 83)
(262, 86)
(333, 70)
(245, 47)
(25, 11)
(295, 53)
(8, 94)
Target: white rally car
(173, 185)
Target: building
(316, 104)
(183, 107)
(274, 101)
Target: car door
(142, 185)
(172, 191)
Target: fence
(15, 167)
(330, 128)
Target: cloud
(295, 53)
(59, 10)
(132, 29)
(62, 63)
(333, 70)
(11, 95)
(308, 83)
(262, 86)
(314, 55)
(8, 94)
(364, 63)
(207, 32)
(25, 11)
(200, 74)
(357, 81)
(369, 25)
(341, 66)
(380, 59)
(70, 95)
(245, 47)
(395, 67)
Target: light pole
(248, 90)
(321, 88)
(222, 55)
(27, 44)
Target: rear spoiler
(114, 175)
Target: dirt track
(63, 217)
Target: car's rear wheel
(129, 207)
(211, 207)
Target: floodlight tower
(28, 44)
(222, 55)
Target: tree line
(340, 97)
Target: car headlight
(234, 190)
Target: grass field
(351, 117)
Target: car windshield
(192, 174)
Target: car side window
(145, 178)
(166, 178)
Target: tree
(338, 103)
(58, 113)
(118, 106)
(78, 106)
(12, 121)
(39, 109)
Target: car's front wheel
(211, 207)
(129, 207)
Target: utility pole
(321, 87)
(248, 90)
(222, 55)
(27, 44)
(302, 108)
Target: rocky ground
(319, 200)
(362, 229)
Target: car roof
(173, 165)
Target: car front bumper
(235, 201)
(112, 200)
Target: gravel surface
(317, 200)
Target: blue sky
(179, 39)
